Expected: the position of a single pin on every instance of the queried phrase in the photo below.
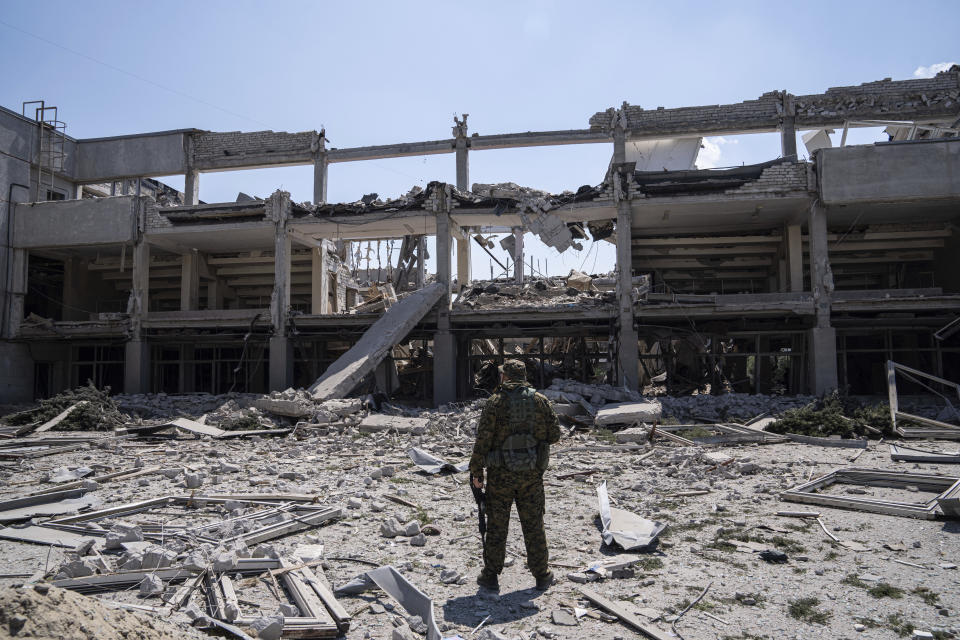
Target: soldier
(514, 435)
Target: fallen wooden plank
(50, 424)
(909, 454)
(348, 370)
(625, 616)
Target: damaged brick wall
(778, 179)
(235, 148)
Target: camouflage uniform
(513, 405)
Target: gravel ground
(900, 571)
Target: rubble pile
(43, 611)
(396, 475)
(95, 410)
(540, 293)
(732, 407)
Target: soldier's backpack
(520, 451)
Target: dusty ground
(712, 538)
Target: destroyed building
(788, 276)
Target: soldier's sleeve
(485, 433)
(548, 423)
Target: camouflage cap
(514, 370)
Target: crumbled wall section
(884, 100)
(937, 97)
(152, 220)
(784, 178)
(750, 114)
(236, 149)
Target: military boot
(544, 581)
(488, 580)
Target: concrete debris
(627, 530)
(633, 435)
(379, 422)
(628, 413)
(579, 281)
(432, 464)
(268, 627)
(150, 586)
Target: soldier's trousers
(526, 489)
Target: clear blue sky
(383, 72)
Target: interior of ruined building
(784, 277)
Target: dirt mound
(27, 613)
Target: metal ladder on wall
(51, 151)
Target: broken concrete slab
(379, 422)
(362, 358)
(635, 435)
(432, 464)
(628, 413)
(625, 529)
(283, 407)
(410, 598)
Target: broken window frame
(937, 429)
(321, 615)
(947, 486)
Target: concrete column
(421, 262)
(627, 354)
(788, 136)
(619, 146)
(18, 289)
(321, 167)
(190, 281)
(464, 268)
(444, 344)
(822, 340)
(136, 367)
(281, 349)
(319, 282)
(463, 164)
(281, 363)
(464, 275)
(78, 192)
(518, 255)
(793, 241)
(191, 187)
(140, 287)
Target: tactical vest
(520, 450)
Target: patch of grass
(884, 590)
(802, 528)
(423, 516)
(605, 435)
(650, 563)
(831, 555)
(854, 580)
(722, 545)
(928, 596)
(900, 626)
(757, 597)
(695, 432)
(745, 636)
(726, 560)
(703, 605)
(787, 545)
(689, 539)
(805, 609)
(799, 570)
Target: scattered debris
(627, 530)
